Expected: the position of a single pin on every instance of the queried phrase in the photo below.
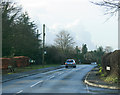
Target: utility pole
(37, 34)
(77, 54)
(43, 45)
(119, 28)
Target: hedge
(113, 61)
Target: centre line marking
(52, 77)
(60, 73)
(20, 91)
(36, 83)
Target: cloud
(81, 18)
(77, 31)
(76, 22)
(81, 36)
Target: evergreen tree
(19, 35)
(9, 15)
(84, 49)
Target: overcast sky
(83, 20)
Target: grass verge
(111, 79)
(28, 68)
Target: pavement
(93, 79)
(13, 76)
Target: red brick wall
(19, 61)
(5, 63)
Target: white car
(70, 63)
(93, 63)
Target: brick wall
(19, 61)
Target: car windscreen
(69, 60)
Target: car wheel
(66, 66)
(74, 66)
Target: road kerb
(99, 85)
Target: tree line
(64, 48)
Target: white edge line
(36, 83)
(20, 91)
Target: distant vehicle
(93, 63)
(70, 63)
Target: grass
(111, 79)
(28, 68)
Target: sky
(85, 21)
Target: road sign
(108, 68)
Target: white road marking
(36, 83)
(20, 91)
(60, 73)
(87, 88)
(52, 71)
(52, 77)
(47, 72)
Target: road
(64, 80)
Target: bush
(113, 61)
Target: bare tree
(108, 49)
(111, 6)
(64, 40)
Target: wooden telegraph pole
(43, 45)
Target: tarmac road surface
(64, 80)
